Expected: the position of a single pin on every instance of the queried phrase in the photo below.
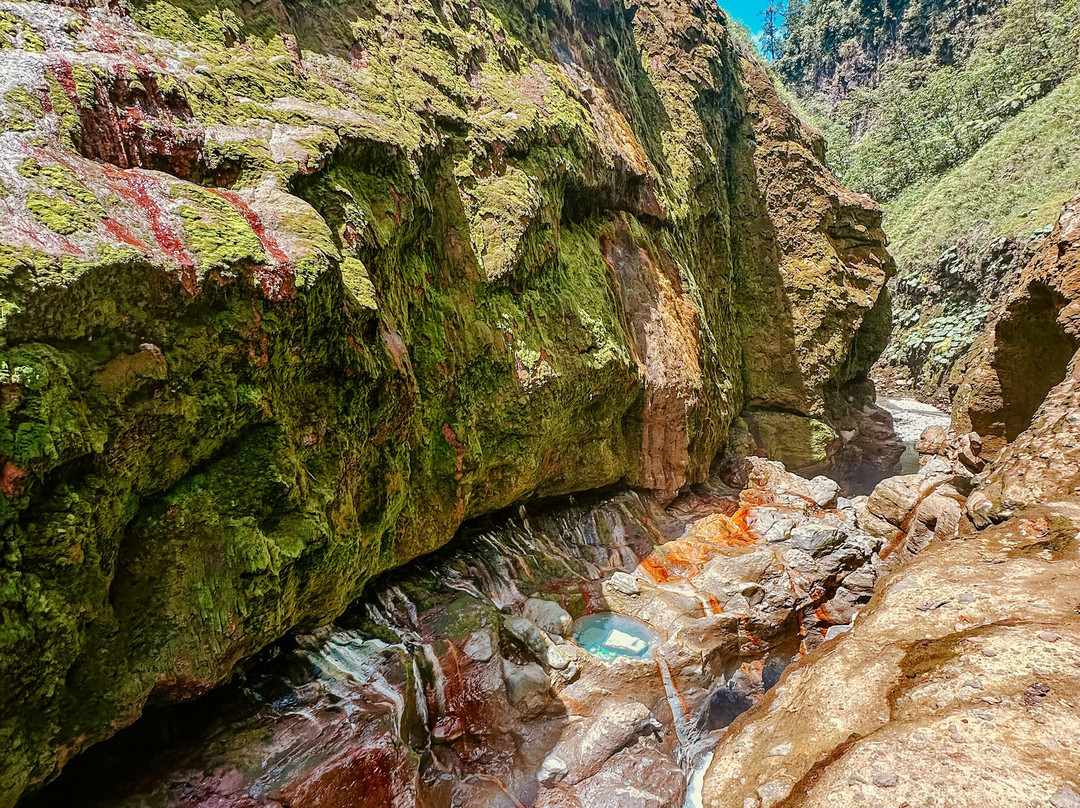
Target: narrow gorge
(423, 403)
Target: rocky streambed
(616, 652)
(580, 654)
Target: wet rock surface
(454, 682)
(967, 661)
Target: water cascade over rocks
(580, 654)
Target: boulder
(623, 583)
(933, 441)
(528, 687)
(824, 491)
(640, 776)
(894, 499)
(962, 694)
(585, 752)
(547, 616)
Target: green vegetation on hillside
(1011, 187)
(963, 118)
(920, 115)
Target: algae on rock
(347, 274)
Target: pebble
(1049, 636)
(1066, 798)
(553, 770)
(780, 751)
(975, 684)
(989, 652)
(885, 780)
(966, 597)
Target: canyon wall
(290, 290)
(967, 655)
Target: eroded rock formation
(968, 662)
(956, 685)
(462, 679)
(1027, 348)
(290, 290)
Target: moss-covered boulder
(289, 290)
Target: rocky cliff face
(836, 48)
(291, 290)
(967, 656)
(1029, 343)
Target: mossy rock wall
(290, 290)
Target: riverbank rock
(292, 290)
(1028, 345)
(1043, 463)
(942, 449)
(967, 660)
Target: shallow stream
(460, 679)
(910, 418)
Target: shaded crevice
(1032, 357)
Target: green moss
(215, 231)
(14, 32)
(207, 472)
(354, 276)
(64, 109)
(9, 26)
(85, 84)
(60, 178)
(23, 108)
(60, 215)
(31, 41)
(799, 442)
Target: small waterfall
(678, 707)
(696, 781)
(390, 676)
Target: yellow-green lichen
(215, 232)
(62, 179)
(354, 276)
(60, 215)
(64, 109)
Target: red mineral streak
(65, 77)
(357, 778)
(276, 279)
(121, 232)
(45, 238)
(136, 190)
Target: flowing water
(910, 418)
(417, 696)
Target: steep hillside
(964, 239)
(907, 95)
(290, 290)
(836, 47)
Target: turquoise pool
(609, 635)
